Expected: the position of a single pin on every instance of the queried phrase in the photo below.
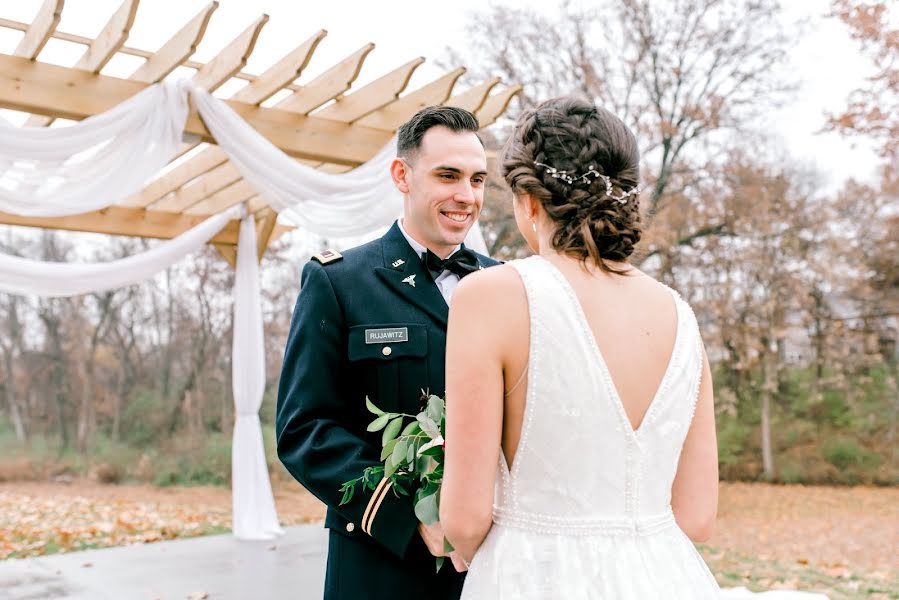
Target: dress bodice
(580, 465)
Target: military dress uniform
(368, 323)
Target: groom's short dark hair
(411, 132)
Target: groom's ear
(399, 171)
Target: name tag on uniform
(384, 336)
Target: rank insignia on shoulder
(327, 256)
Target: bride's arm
(694, 495)
(474, 411)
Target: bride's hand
(433, 537)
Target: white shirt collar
(419, 249)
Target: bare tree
(873, 110)
(678, 72)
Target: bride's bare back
(633, 321)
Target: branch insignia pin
(410, 280)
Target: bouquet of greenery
(413, 459)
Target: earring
(534, 225)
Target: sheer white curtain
(60, 171)
(254, 515)
(54, 279)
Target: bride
(581, 458)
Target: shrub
(844, 453)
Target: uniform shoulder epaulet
(327, 256)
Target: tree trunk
(116, 432)
(767, 454)
(769, 388)
(82, 431)
(15, 415)
(9, 353)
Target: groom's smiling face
(443, 188)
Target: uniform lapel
(404, 272)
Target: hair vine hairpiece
(569, 177)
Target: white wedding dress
(585, 512)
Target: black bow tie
(462, 262)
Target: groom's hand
(433, 537)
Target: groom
(372, 323)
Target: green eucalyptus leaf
(387, 450)
(378, 424)
(399, 452)
(391, 430)
(389, 467)
(410, 428)
(372, 408)
(426, 509)
(435, 408)
(428, 425)
(434, 451)
(425, 465)
(440, 560)
(347, 494)
(410, 454)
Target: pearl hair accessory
(569, 178)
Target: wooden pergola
(324, 122)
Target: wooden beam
(473, 99)
(496, 105)
(102, 49)
(41, 30)
(110, 39)
(268, 219)
(256, 204)
(175, 51)
(371, 97)
(204, 161)
(232, 195)
(229, 253)
(116, 220)
(328, 85)
(281, 73)
(55, 91)
(231, 59)
(87, 41)
(396, 113)
(217, 179)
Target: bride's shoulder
(500, 283)
(499, 277)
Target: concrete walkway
(289, 568)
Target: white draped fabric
(254, 516)
(59, 171)
(333, 205)
(54, 279)
(341, 205)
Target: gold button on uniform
(350, 527)
(386, 351)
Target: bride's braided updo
(572, 135)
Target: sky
(827, 63)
